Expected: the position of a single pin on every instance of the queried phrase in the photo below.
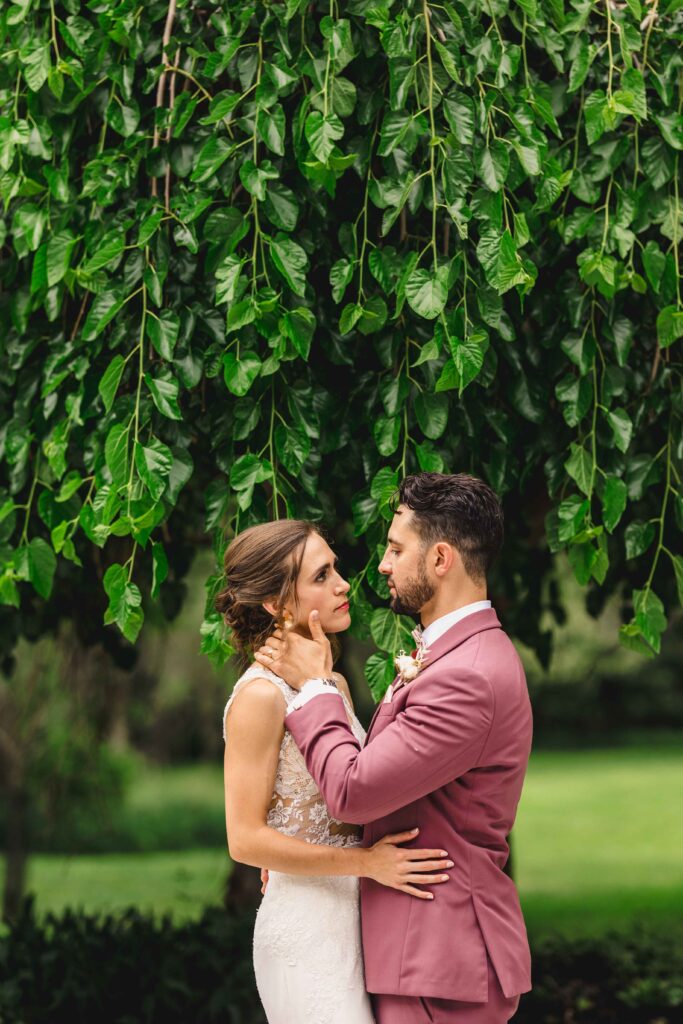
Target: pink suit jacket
(448, 754)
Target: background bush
(78, 969)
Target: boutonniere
(408, 665)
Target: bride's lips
(343, 607)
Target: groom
(447, 751)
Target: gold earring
(288, 621)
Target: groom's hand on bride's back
(296, 658)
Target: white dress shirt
(435, 629)
(314, 688)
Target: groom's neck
(444, 603)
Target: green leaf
(291, 260)
(432, 414)
(59, 248)
(116, 453)
(271, 126)
(571, 515)
(103, 310)
(109, 381)
(293, 447)
(211, 156)
(153, 462)
(613, 502)
(322, 133)
(125, 602)
(669, 326)
(341, 275)
(650, 616)
(387, 431)
(163, 331)
(448, 59)
(149, 227)
(427, 293)
(42, 563)
(159, 568)
(678, 570)
(380, 673)
(638, 537)
(124, 117)
(622, 428)
(594, 109)
(227, 276)
(109, 249)
(384, 486)
(240, 374)
(654, 262)
(299, 326)
(493, 164)
(281, 206)
(164, 393)
(459, 110)
(579, 467)
(374, 315)
(255, 179)
(350, 316)
(389, 631)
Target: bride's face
(320, 586)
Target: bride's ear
(271, 608)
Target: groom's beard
(415, 593)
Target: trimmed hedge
(131, 969)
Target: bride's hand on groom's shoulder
(405, 869)
(297, 658)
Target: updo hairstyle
(261, 564)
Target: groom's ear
(444, 557)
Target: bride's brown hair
(261, 564)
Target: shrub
(132, 969)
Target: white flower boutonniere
(408, 665)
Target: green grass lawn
(598, 844)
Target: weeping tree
(263, 259)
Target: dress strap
(257, 671)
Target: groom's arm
(438, 737)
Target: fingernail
(414, 830)
(444, 878)
(444, 853)
(431, 896)
(449, 863)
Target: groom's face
(405, 566)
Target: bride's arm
(254, 731)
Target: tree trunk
(16, 853)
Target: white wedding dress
(307, 946)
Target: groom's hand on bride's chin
(297, 658)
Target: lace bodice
(297, 807)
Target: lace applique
(297, 807)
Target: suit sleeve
(438, 737)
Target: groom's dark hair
(459, 509)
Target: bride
(307, 952)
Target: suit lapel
(475, 622)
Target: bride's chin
(341, 623)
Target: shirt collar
(437, 628)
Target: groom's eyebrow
(394, 543)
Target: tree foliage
(263, 259)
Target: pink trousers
(425, 1010)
